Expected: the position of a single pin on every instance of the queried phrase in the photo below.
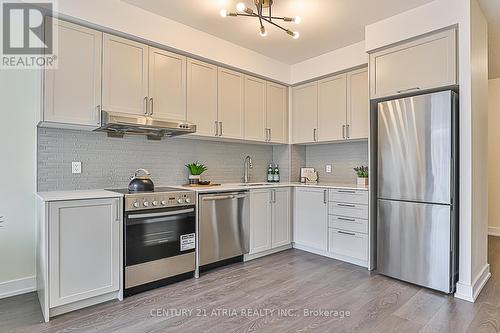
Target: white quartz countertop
(77, 195)
(241, 187)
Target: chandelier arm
(276, 25)
(259, 11)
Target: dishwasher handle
(224, 197)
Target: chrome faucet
(247, 165)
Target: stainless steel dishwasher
(224, 226)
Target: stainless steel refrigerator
(417, 198)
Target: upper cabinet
(305, 113)
(425, 63)
(125, 76)
(277, 113)
(255, 109)
(167, 84)
(230, 103)
(72, 92)
(202, 97)
(332, 104)
(332, 109)
(358, 105)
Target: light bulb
(263, 32)
(223, 12)
(297, 19)
(296, 35)
(240, 6)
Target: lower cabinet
(82, 240)
(270, 224)
(311, 219)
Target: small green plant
(196, 168)
(362, 171)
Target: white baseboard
(470, 293)
(17, 287)
(494, 231)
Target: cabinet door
(277, 112)
(255, 109)
(167, 84)
(281, 226)
(332, 108)
(202, 97)
(358, 113)
(230, 103)
(72, 92)
(125, 75)
(84, 249)
(311, 218)
(305, 113)
(260, 221)
(425, 63)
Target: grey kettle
(141, 183)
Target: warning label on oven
(187, 242)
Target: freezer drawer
(415, 148)
(414, 243)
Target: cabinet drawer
(349, 244)
(348, 210)
(348, 223)
(351, 196)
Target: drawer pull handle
(346, 205)
(346, 191)
(346, 219)
(346, 233)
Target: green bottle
(276, 177)
(270, 173)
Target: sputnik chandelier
(243, 10)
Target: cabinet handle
(152, 105)
(146, 105)
(216, 128)
(270, 135)
(343, 131)
(314, 135)
(408, 90)
(346, 219)
(346, 233)
(98, 114)
(267, 134)
(325, 199)
(347, 131)
(346, 191)
(220, 128)
(346, 205)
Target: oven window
(157, 234)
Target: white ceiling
(491, 9)
(326, 24)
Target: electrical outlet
(76, 167)
(328, 168)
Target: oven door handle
(176, 212)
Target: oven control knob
(163, 202)
(180, 200)
(188, 200)
(137, 204)
(146, 204)
(155, 203)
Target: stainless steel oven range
(159, 238)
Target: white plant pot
(194, 179)
(362, 181)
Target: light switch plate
(328, 168)
(76, 167)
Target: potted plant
(195, 170)
(362, 172)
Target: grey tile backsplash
(343, 156)
(109, 162)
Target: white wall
(120, 16)
(440, 14)
(494, 157)
(338, 60)
(19, 96)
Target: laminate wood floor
(273, 294)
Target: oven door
(156, 234)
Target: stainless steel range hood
(117, 124)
